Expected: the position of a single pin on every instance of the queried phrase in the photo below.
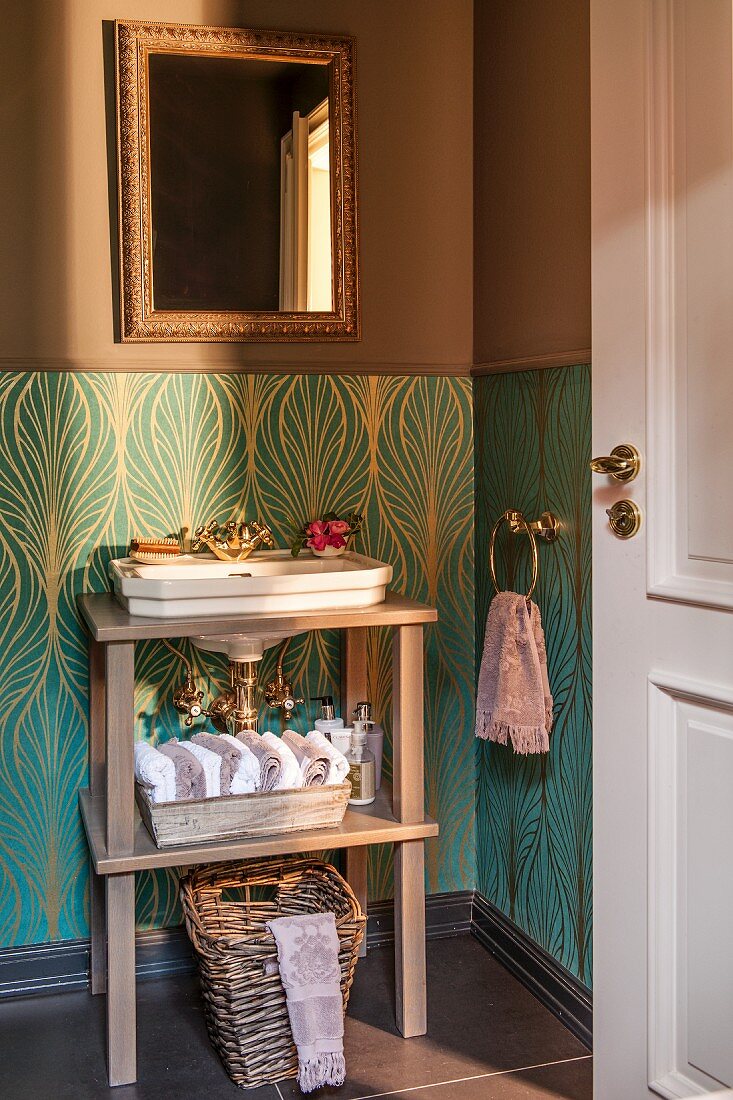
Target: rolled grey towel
(190, 778)
(270, 761)
(314, 764)
(230, 757)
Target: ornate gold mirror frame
(141, 322)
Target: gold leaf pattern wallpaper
(534, 814)
(89, 460)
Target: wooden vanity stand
(120, 845)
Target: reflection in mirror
(237, 184)
(305, 213)
(240, 184)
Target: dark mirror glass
(240, 184)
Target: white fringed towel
(156, 772)
(513, 700)
(339, 765)
(247, 777)
(308, 959)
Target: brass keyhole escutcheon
(624, 518)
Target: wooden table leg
(97, 775)
(408, 802)
(97, 933)
(354, 688)
(408, 796)
(121, 1024)
(410, 977)
(121, 1032)
(120, 723)
(356, 876)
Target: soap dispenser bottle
(375, 738)
(328, 720)
(361, 767)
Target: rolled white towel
(156, 772)
(246, 778)
(339, 764)
(290, 776)
(211, 763)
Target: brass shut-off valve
(279, 692)
(187, 700)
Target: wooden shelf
(109, 622)
(111, 817)
(373, 824)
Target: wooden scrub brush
(154, 551)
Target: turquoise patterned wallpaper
(89, 460)
(533, 815)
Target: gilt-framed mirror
(237, 184)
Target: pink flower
(336, 541)
(317, 527)
(317, 541)
(339, 527)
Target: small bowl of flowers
(328, 536)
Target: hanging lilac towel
(513, 700)
(308, 959)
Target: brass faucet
(234, 541)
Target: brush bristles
(166, 547)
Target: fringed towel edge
(325, 1069)
(525, 739)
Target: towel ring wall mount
(546, 527)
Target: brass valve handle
(623, 463)
(187, 700)
(279, 692)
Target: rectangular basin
(267, 581)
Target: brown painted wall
(414, 100)
(531, 180)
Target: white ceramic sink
(240, 647)
(267, 581)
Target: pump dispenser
(361, 767)
(328, 720)
(375, 737)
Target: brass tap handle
(279, 694)
(264, 533)
(623, 463)
(289, 704)
(187, 700)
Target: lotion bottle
(375, 738)
(328, 720)
(361, 768)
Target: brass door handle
(623, 463)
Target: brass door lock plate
(624, 518)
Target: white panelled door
(662, 170)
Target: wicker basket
(245, 1007)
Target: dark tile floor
(488, 1038)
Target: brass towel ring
(515, 519)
